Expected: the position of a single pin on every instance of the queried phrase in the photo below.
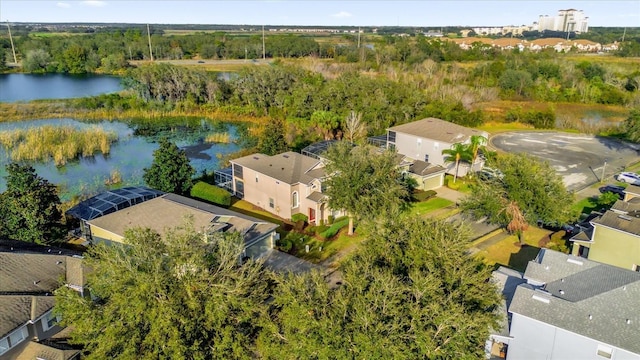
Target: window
(4, 345)
(256, 177)
(604, 351)
(419, 142)
(18, 336)
(637, 268)
(391, 136)
(295, 200)
(271, 203)
(49, 321)
(237, 171)
(436, 145)
(426, 158)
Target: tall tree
(410, 292)
(364, 183)
(458, 152)
(272, 140)
(170, 170)
(530, 184)
(476, 145)
(354, 128)
(29, 207)
(177, 296)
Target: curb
(485, 237)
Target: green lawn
(462, 184)
(341, 243)
(508, 252)
(425, 207)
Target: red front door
(312, 214)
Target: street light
(603, 167)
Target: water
(26, 87)
(129, 155)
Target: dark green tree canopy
(632, 126)
(29, 207)
(170, 170)
(272, 141)
(363, 182)
(176, 296)
(411, 292)
(532, 184)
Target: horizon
(461, 13)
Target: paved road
(578, 158)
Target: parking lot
(578, 158)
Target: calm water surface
(26, 87)
(129, 155)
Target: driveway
(578, 158)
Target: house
(631, 191)
(574, 308)
(425, 139)
(427, 176)
(29, 275)
(614, 237)
(169, 211)
(285, 184)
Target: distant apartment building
(569, 20)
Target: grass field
(508, 252)
(496, 111)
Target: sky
(425, 13)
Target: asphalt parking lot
(578, 158)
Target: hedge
(299, 217)
(211, 193)
(333, 229)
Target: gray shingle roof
(620, 222)
(289, 167)
(627, 206)
(17, 310)
(423, 168)
(632, 189)
(437, 129)
(599, 301)
(170, 210)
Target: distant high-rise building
(570, 20)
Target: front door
(312, 215)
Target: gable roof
(632, 189)
(46, 350)
(437, 129)
(289, 167)
(424, 168)
(595, 300)
(621, 222)
(170, 211)
(18, 310)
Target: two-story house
(425, 139)
(574, 308)
(29, 274)
(614, 237)
(285, 184)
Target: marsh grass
(218, 138)
(57, 143)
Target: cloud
(94, 3)
(63, 5)
(342, 14)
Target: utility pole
(358, 37)
(623, 34)
(13, 49)
(264, 51)
(603, 167)
(149, 37)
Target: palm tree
(477, 144)
(517, 222)
(458, 152)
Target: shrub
(299, 217)
(211, 193)
(284, 244)
(320, 229)
(330, 219)
(333, 229)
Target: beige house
(29, 274)
(425, 139)
(169, 211)
(285, 184)
(614, 237)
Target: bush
(284, 244)
(299, 217)
(333, 229)
(330, 219)
(211, 193)
(424, 195)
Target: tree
(272, 141)
(37, 60)
(170, 170)
(178, 296)
(528, 183)
(354, 129)
(517, 81)
(631, 126)
(409, 292)
(517, 223)
(29, 207)
(477, 144)
(362, 182)
(327, 122)
(458, 152)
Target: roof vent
(573, 261)
(625, 217)
(540, 298)
(590, 317)
(256, 158)
(35, 282)
(58, 262)
(561, 292)
(285, 156)
(628, 321)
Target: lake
(129, 155)
(27, 87)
